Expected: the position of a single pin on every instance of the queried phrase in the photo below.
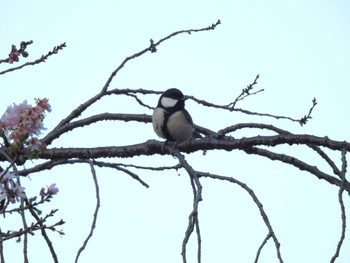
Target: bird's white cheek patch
(168, 102)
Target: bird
(170, 119)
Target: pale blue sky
(299, 48)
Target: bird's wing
(188, 116)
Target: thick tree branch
(233, 128)
(297, 163)
(342, 206)
(208, 143)
(56, 133)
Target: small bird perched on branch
(170, 119)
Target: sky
(300, 49)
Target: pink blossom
(34, 144)
(13, 56)
(22, 120)
(43, 104)
(12, 115)
(52, 189)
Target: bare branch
(231, 107)
(25, 241)
(297, 163)
(2, 258)
(307, 117)
(37, 61)
(326, 158)
(57, 132)
(268, 236)
(245, 93)
(78, 111)
(51, 164)
(94, 176)
(193, 217)
(238, 126)
(342, 206)
(153, 48)
(117, 167)
(256, 201)
(44, 234)
(33, 227)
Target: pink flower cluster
(13, 192)
(49, 192)
(15, 53)
(23, 120)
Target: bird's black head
(172, 99)
(173, 93)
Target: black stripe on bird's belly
(165, 126)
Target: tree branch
(44, 234)
(43, 58)
(342, 206)
(193, 217)
(256, 201)
(152, 48)
(97, 190)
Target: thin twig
(2, 258)
(22, 213)
(25, 226)
(51, 164)
(307, 117)
(93, 225)
(228, 107)
(245, 92)
(39, 225)
(193, 217)
(268, 236)
(117, 167)
(37, 61)
(44, 234)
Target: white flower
(7, 177)
(19, 193)
(3, 193)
